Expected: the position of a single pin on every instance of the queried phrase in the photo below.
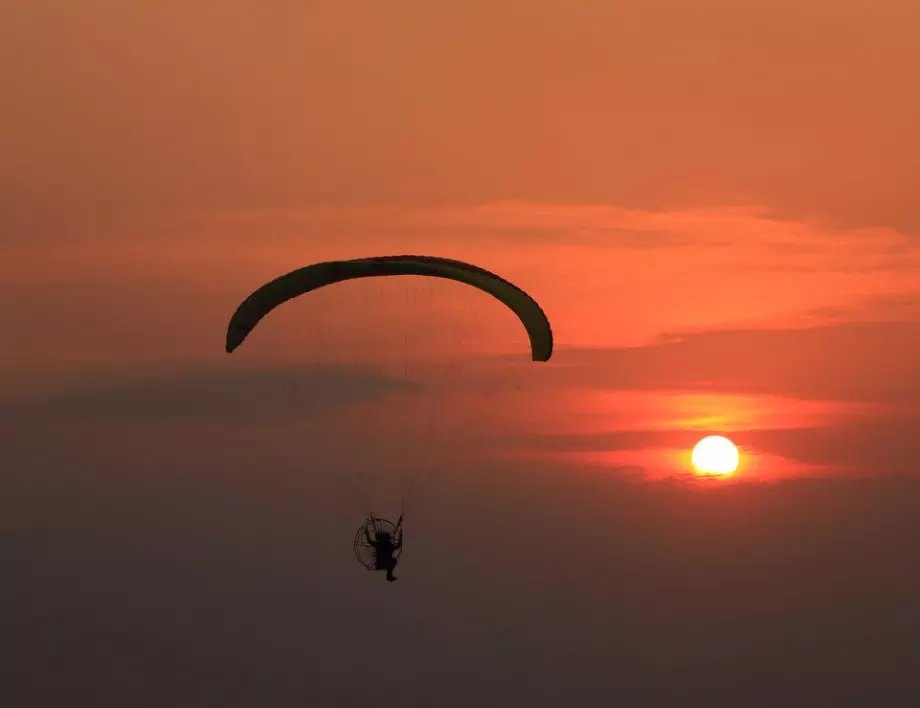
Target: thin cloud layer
(865, 362)
(262, 396)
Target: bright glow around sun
(715, 455)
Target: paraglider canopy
(303, 280)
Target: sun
(715, 455)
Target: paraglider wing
(312, 277)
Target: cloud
(864, 362)
(218, 395)
(840, 398)
(903, 307)
(805, 243)
(878, 446)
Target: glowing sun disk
(715, 455)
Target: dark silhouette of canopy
(312, 277)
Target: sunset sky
(716, 204)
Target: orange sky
(715, 201)
(808, 311)
(679, 168)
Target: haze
(714, 202)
